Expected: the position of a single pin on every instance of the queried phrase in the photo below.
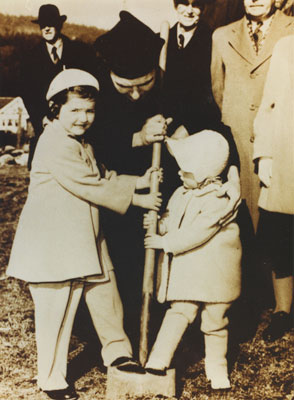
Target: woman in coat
(273, 151)
(59, 247)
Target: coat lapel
(240, 41)
(275, 32)
(44, 53)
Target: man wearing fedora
(51, 55)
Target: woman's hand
(232, 190)
(153, 241)
(143, 182)
(265, 170)
(151, 201)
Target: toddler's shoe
(220, 383)
(128, 364)
(279, 325)
(217, 374)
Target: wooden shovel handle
(148, 279)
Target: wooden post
(19, 128)
(148, 281)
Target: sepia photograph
(147, 199)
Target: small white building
(12, 114)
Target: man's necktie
(257, 36)
(181, 41)
(54, 55)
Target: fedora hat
(49, 16)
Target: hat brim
(62, 19)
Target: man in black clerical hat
(133, 118)
(130, 51)
(54, 53)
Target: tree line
(18, 35)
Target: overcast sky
(99, 13)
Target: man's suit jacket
(187, 84)
(238, 77)
(39, 70)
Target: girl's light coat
(205, 263)
(58, 236)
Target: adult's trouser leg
(55, 309)
(106, 311)
(174, 325)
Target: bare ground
(259, 371)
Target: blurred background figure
(273, 152)
(54, 53)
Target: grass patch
(259, 371)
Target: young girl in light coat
(204, 272)
(59, 247)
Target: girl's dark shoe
(279, 325)
(128, 364)
(64, 394)
(154, 371)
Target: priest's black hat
(131, 49)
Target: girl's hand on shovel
(153, 241)
(151, 201)
(143, 182)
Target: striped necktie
(257, 35)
